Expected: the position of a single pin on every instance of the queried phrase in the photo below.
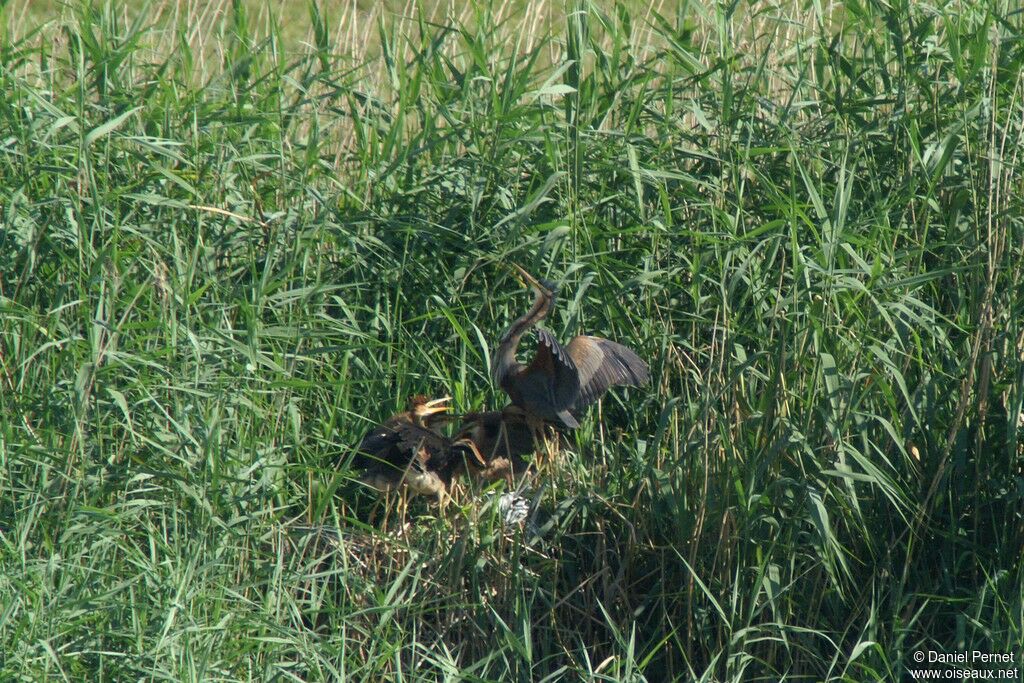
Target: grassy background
(232, 236)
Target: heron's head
(423, 408)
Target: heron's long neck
(504, 360)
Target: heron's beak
(529, 280)
(438, 405)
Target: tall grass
(224, 253)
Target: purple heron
(560, 382)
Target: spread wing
(554, 363)
(601, 364)
(549, 385)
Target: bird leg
(402, 509)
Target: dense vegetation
(224, 253)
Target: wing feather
(420, 442)
(602, 363)
(374, 448)
(556, 365)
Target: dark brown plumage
(561, 382)
(407, 450)
(501, 437)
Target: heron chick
(407, 450)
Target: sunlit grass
(233, 237)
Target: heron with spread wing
(560, 382)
